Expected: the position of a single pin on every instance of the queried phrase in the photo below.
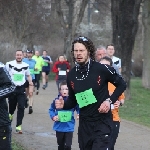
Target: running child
(64, 121)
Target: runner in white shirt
(18, 70)
(100, 53)
(110, 52)
(116, 61)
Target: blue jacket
(31, 63)
(62, 126)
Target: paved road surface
(38, 133)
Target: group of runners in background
(26, 71)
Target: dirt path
(38, 133)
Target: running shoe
(18, 130)
(46, 84)
(30, 110)
(37, 92)
(10, 117)
(44, 87)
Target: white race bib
(62, 72)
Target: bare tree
(24, 20)
(146, 44)
(70, 21)
(125, 24)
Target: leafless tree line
(42, 22)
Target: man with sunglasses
(88, 86)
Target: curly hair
(87, 43)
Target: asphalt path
(38, 133)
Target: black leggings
(17, 98)
(5, 138)
(116, 126)
(64, 140)
(37, 80)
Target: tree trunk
(76, 10)
(146, 45)
(69, 27)
(125, 24)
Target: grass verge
(137, 109)
(16, 145)
(51, 76)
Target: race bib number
(31, 71)
(64, 116)
(45, 63)
(62, 73)
(85, 98)
(18, 77)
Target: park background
(52, 25)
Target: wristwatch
(120, 103)
(108, 99)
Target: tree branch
(81, 14)
(102, 4)
(60, 13)
(67, 2)
(135, 15)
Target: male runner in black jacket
(6, 87)
(88, 86)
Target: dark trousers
(37, 80)
(5, 138)
(64, 140)
(116, 126)
(94, 135)
(17, 99)
(58, 84)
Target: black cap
(29, 51)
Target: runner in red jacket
(61, 68)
